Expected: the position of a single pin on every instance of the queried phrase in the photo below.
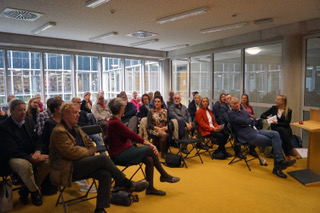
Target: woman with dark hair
(158, 125)
(217, 106)
(33, 109)
(246, 106)
(282, 125)
(122, 152)
(86, 104)
(145, 107)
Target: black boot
(36, 198)
(24, 193)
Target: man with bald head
(244, 126)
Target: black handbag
(123, 198)
(173, 160)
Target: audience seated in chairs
(282, 125)
(181, 114)
(217, 107)
(243, 124)
(129, 117)
(170, 101)
(21, 147)
(208, 127)
(224, 110)
(142, 114)
(135, 100)
(246, 106)
(42, 117)
(124, 153)
(73, 156)
(33, 109)
(101, 112)
(158, 125)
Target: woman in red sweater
(122, 152)
(208, 126)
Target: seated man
(129, 117)
(21, 148)
(181, 113)
(244, 126)
(101, 112)
(224, 110)
(43, 116)
(73, 157)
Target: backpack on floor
(123, 198)
(296, 141)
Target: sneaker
(85, 188)
(82, 182)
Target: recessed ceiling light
(144, 42)
(224, 27)
(44, 27)
(100, 37)
(182, 15)
(253, 50)
(142, 34)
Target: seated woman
(216, 106)
(284, 114)
(158, 125)
(245, 105)
(194, 106)
(135, 100)
(145, 107)
(122, 152)
(33, 109)
(209, 127)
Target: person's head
(145, 99)
(124, 97)
(38, 97)
(100, 99)
(49, 101)
(150, 95)
(171, 94)
(157, 93)
(197, 98)
(204, 103)
(245, 99)
(227, 98)
(55, 106)
(194, 93)
(70, 114)
(177, 98)
(10, 97)
(101, 92)
(158, 101)
(234, 103)
(77, 100)
(134, 94)
(33, 104)
(116, 106)
(221, 98)
(18, 110)
(281, 101)
(86, 96)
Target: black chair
(95, 129)
(185, 142)
(243, 150)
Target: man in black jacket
(21, 148)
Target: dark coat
(143, 111)
(192, 108)
(129, 111)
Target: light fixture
(44, 27)
(175, 47)
(253, 50)
(144, 42)
(224, 27)
(100, 37)
(95, 3)
(182, 15)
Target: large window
(180, 79)
(58, 81)
(24, 74)
(201, 75)
(263, 72)
(312, 80)
(112, 77)
(151, 76)
(87, 75)
(132, 79)
(227, 73)
(2, 79)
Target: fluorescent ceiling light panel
(95, 3)
(263, 21)
(182, 15)
(175, 47)
(142, 34)
(225, 27)
(44, 27)
(253, 50)
(100, 37)
(144, 42)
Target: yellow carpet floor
(213, 186)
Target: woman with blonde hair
(33, 109)
(282, 125)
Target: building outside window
(2, 79)
(58, 81)
(151, 76)
(87, 75)
(112, 76)
(24, 74)
(132, 77)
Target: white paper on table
(303, 152)
(272, 119)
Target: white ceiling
(77, 22)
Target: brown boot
(296, 153)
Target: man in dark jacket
(21, 148)
(130, 119)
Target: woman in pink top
(122, 152)
(135, 100)
(245, 105)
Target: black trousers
(285, 135)
(222, 137)
(102, 169)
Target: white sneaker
(82, 182)
(85, 189)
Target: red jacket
(203, 122)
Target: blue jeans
(270, 138)
(97, 139)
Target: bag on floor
(123, 198)
(6, 200)
(173, 160)
(296, 141)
